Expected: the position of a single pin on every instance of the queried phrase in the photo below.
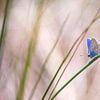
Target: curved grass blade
(3, 30)
(61, 66)
(47, 58)
(77, 74)
(84, 34)
(31, 48)
(74, 44)
(67, 65)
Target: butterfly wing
(94, 45)
(93, 48)
(99, 48)
(88, 46)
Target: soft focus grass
(31, 49)
(48, 57)
(4, 29)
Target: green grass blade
(31, 48)
(83, 35)
(47, 58)
(85, 31)
(4, 23)
(77, 74)
(3, 30)
(74, 44)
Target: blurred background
(32, 28)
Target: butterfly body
(92, 54)
(93, 47)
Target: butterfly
(93, 47)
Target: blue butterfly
(93, 47)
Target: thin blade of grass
(31, 48)
(66, 66)
(4, 23)
(47, 58)
(77, 74)
(3, 30)
(74, 44)
(84, 34)
(60, 67)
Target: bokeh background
(43, 20)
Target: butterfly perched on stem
(93, 47)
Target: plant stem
(74, 44)
(3, 30)
(78, 73)
(31, 49)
